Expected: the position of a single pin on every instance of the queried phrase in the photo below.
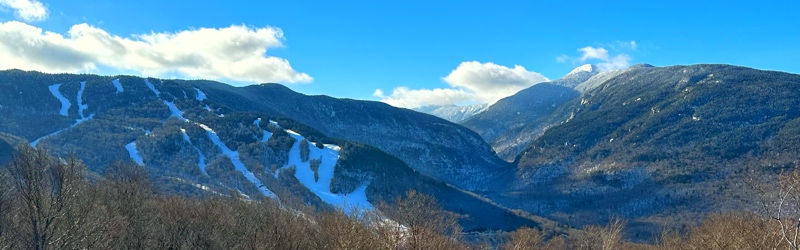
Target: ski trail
(81, 106)
(131, 147)
(201, 160)
(320, 184)
(200, 95)
(232, 155)
(237, 163)
(266, 134)
(64, 101)
(64, 108)
(118, 86)
(174, 111)
(153, 88)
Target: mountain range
(659, 146)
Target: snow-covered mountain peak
(584, 68)
(453, 113)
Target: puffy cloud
(602, 57)
(590, 52)
(236, 53)
(28, 10)
(470, 82)
(411, 98)
(491, 82)
(620, 61)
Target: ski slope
(237, 163)
(64, 101)
(134, 154)
(201, 160)
(328, 155)
(118, 86)
(81, 106)
(200, 95)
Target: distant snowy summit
(587, 68)
(578, 76)
(453, 113)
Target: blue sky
(438, 51)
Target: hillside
(199, 141)
(428, 144)
(662, 145)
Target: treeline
(49, 203)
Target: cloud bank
(27, 10)
(470, 82)
(235, 53)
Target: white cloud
(470, 82)
(602, 57)
(620, 61)
(590, 52)
(411, 98)
(236, 53)
(28, 10)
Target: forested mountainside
(200, 141)
(662, 145)
(431, 145)
(513, 122)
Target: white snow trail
(153, 88)
(118, 86)
(265, 134)
(65, 107)
(201, 160)
(237, 163)
(64, 101)
(354, 201)
(174, 111)
(131, 147)
(200, 95)
(81, 106)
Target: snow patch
(354, 201)
(208, 108)
(266, 134)
(131, 147)
(81, 106)
(237, 163)
(64, 101)
(200, 95)
(174, 111)
(201, 158)
(118, 86)
(153, 88)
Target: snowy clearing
(200, 95)
(174, 111)
(131, 147)
(237, 163)
(153, 88)
(118, 86)
(355, 201)
(81, 106)
(265, 134)
(64, 101)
